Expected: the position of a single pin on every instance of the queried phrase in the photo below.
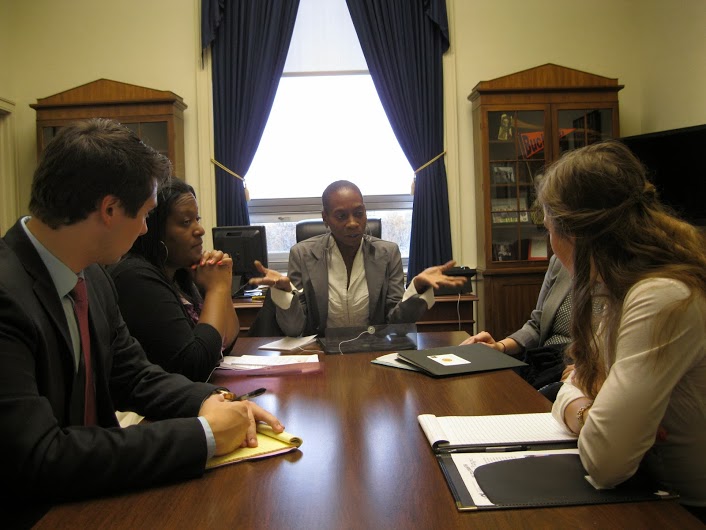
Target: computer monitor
(674, 161)
(244, 244)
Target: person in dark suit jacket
(190, 321)
(347, 278)
(93, 188)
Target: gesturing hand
(271, 277)
(434, 277)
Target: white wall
(655, 48)
(672, 64)
(60, 45)
(493, 39)
(6, 70)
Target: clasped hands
(234, 423)
(214, 268)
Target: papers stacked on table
(253, 362)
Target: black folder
(521, 461)
(457, 360)
(540, 481)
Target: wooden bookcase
(521, 123)
(157, 116)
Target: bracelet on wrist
(504, 350)
(580, 413)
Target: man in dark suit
(59, 438)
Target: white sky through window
(327, 124)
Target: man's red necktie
(80, 297)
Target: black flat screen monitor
(675, 164)
(244, 244)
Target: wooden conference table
(365, 462)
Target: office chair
(314, 227)
(265, 323)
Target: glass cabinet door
(155, 134)
(581, 127)
(516, 156)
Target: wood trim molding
(9, 171)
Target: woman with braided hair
(637, 394)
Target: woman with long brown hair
(637, 395)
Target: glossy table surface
(364, 463)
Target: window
(326, 124)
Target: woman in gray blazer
(347, 278)
(542, 339)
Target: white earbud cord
(369, 331)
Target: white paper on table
(251, 362)
(390, 359)
(288, 343)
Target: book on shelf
(520, 461)
(269, 443)
(505, 217)
(508, 204)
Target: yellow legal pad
(269, 443)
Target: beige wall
(59, 45)
(495, 38)
(672, 64)
(6, 89)
(655, 48)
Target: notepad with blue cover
(373, 338)
(459, 360)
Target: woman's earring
(165, 251)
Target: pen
(505, 448)
(250, 395)
(491, 449)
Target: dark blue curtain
(250, 40)
(403, 42)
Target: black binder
(521, 461)
(466, 359)
(542, 481)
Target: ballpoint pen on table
(249, 395)
(230, 396)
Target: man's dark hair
(88, 160)
(333, 188)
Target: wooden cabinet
(521, 123)
(157, 116)
(450, 313)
